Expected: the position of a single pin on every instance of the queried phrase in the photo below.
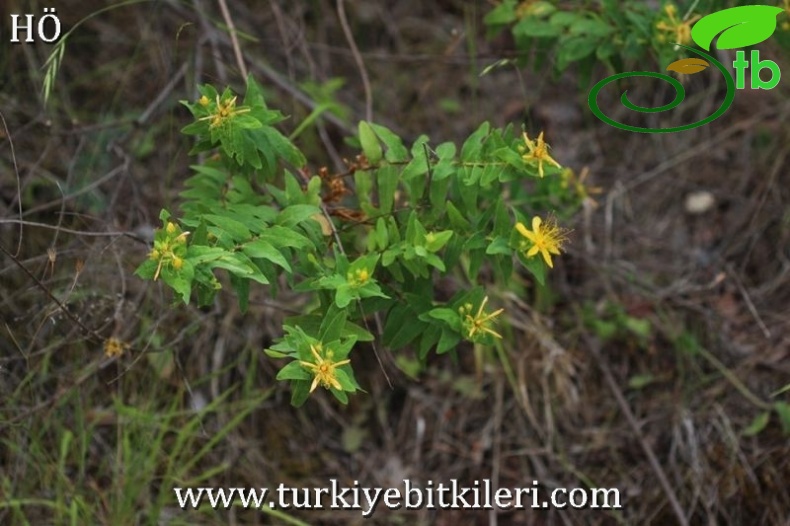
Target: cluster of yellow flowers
(223, 112)
(170, 249)
(114, 347)
(674, 28)
(359, 277)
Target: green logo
(737, 27)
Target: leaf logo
(739, 26)
(688, 66)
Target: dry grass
(560, 404)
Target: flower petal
(523, 230)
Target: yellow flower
(524, 9)
(679, 29)
(570, 181)
(225, 111)
(114, 347)
(165, 249)
(538, 152)
(323, 369)
(546, 238)
(203, 101)
(480, 321)
(359, 277)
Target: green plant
(617, 34)
(370, 250)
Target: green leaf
(429, 340)
(382, 234)
(739, 26)
(235, 264)
(294, 371)
(241, 287)
(254, 94)
(605, 50)
(341, 396)
(344, 294)
(371, 290)
(502, 224)
(396, 151)
(247, 122)
(638, 381)
(300, 392)
(573, 49)
(271, 353)
(363, 184)
(333, 324)
(358, 333)
(410, 366)
(280, 144)
(500, 245)
(435, 261)
(198, 254)
(566, 18)
(448, 341)
(450, 316)
(179, 280)
(331, 282)
(237, 230)
(280, 236)
(446, 165)
(758, 424)
(535, 27)
(401, 327)
(370, 143)
(536, 267)
(470, 151)
(592, 27)
(311, 324)
(264, 249)
(415, 232)
(502, 14)
(783, 410)
(510, 156)
(435, 241)
(387, 181)
(295, 214)
(147, 269)
(419, 163)
(457, 220)
(345, 381)
(639, 326)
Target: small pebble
(699, 202)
